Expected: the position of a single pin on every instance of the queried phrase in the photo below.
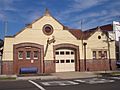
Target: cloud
(2, 17)
(92, 12)
(7, 5)
(81, 5)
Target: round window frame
(44, 30)
(99, 37)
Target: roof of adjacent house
(77, 33)
(87, 33)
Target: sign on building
(116, 29)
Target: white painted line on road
(94, 80)
(61, 83)
(40, 87)
(82, 81)
(118, 78)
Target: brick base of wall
(7, 67)
(97, 65)
(49, 66)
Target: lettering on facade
(51, 40)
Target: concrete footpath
(61, 75)
(73, 75)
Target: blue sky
(92, 13)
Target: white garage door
(65, 60)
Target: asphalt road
(75, 84)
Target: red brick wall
(27, 63)
(7, 67)
(97, 65)
(49, 66)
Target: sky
(92, 13)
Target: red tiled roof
(77, 33)
(108, 27)
(86, 34)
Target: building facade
(47, 46)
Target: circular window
(99, 37)
(47, 29)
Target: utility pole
(108, 43)
(81, 24)
(84, 44)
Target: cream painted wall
(36, 35)
(47, 20)
(8, 49)
(93, 43)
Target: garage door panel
(65, 60)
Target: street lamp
(84, 44)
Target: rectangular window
(67, 61)
(67, 52)
(105, 54)
(72, 53)
(20, 55)
(62, 61)
(35, 54)
(62, 53)
(28, 54)
(72, 60)
(94, 54)
(99, 54)
(57, 53)
(57, 61)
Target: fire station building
(47, 46)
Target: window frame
(57, 61)
(57, 53)
(20, 58)
(67, 53)
(72, 61)
(62, 60)
(28, 58)
(34, 55)
(100, 54)
(94, 52)
(105, 55)
(72, 53)
(68, 60)
(62, 53)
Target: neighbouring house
(1, 52)
(47, 46)
(116, 29)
